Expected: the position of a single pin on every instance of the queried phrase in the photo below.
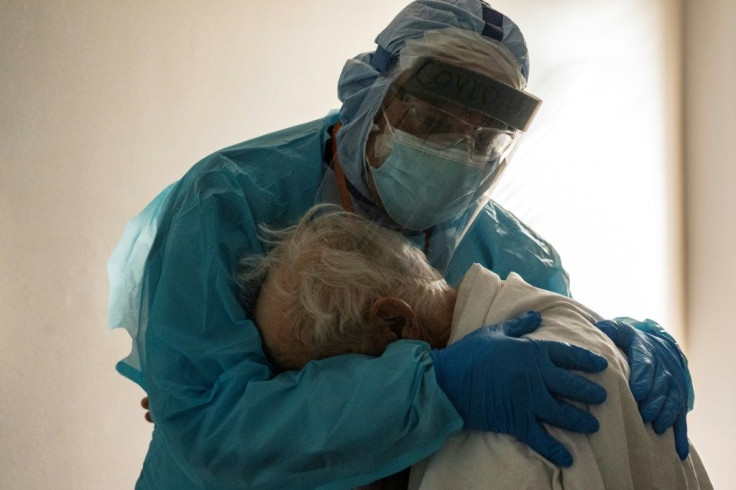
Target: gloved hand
(658, 378)
(501, 383)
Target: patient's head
(336, 283)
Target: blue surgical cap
(364, 80)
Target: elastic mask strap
(494, 23)
(347, 203)
(382, 60)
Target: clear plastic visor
(445, 126)
(453, 107)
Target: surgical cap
(366, 78)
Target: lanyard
(347, 203)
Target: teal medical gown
(222, 418)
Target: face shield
(447, 127)
(444, 125)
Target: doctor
(428, 123)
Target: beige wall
(105, 103)
(710, 126)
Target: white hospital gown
(624, 453)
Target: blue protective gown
(222, 418)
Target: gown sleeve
(222, 418)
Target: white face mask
(421, 186)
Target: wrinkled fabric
(223, 420)
(622, 454)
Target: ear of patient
(291, 342)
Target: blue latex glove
(501, 383)
(658, 377)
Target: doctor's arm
(223, 415)
(228, 421)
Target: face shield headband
(434, 79)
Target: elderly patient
(338, 284)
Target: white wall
(598, 174)
(105, 103)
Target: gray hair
(339, 264)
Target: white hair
(333, 266)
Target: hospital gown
(623, 454)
